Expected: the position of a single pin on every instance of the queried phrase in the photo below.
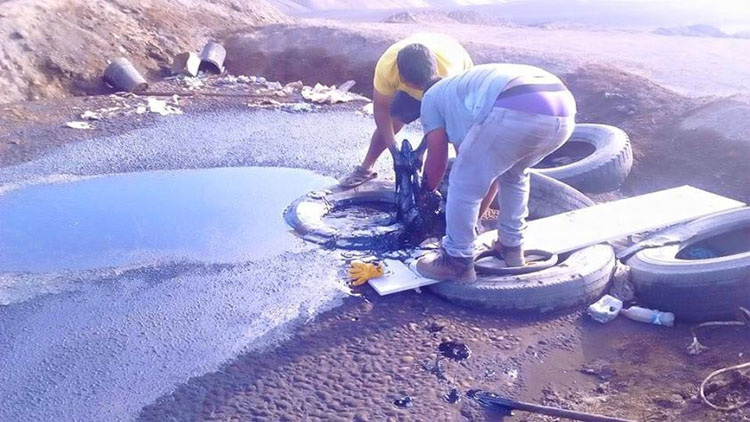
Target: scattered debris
(297, 108)
(696, 348)
(346, 86)
(368, 109)
(453, 396)
(622, 286)
(123, 76)
(186, 64)
(295, 86)
(160, 107)
(323, 94)
(91, 115)
(274, 85)
(266, 102)
(649, 316)
(605, 309)
(454, 350)
(404, 402)
(600, 369)
(192, 83)
(212, 58)
(737, 387)
(79, 125)
(228, 80)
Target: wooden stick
(508, 404)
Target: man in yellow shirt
(405, 66)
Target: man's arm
(437, 158)
(383, 119)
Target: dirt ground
(356, 362)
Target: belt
(526, 89)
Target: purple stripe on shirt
(549, 103)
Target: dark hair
(416, 64)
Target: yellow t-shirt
(451, 59)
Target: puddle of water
(212, 215)
(129, 331)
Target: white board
(398, 277)
(603, 222)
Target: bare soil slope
(669, 129)
(49, 48)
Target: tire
(549, 197)
(696, 289)
(580, 278)
(604, 170)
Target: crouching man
(401, 71)
(503, 119)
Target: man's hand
(437, 159)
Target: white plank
(398, 277)
(589, 226)
(612, 220)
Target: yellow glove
(361, 272)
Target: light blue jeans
(501, 148)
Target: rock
(404, 402)
(603, 370)
(17, 35)
(407, 359)
(454, 350)
(435, 326)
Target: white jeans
(501, 148)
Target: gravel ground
(184, 345)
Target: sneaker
(513, 256)
(438, 265)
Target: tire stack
(699, 270)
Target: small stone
(414, 327)
(407, 359)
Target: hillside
(50, 48)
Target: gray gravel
(99, 344)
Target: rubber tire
(548, 197)
(602, 171)
(580, 279)
(695, 290)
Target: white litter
(79, 125)
(368, 109)
(274, 85)
(91, 115)
(160, 107)
(323, 94)
(297, 108)
(192, 82)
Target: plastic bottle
(651, 316)
(605, 309)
